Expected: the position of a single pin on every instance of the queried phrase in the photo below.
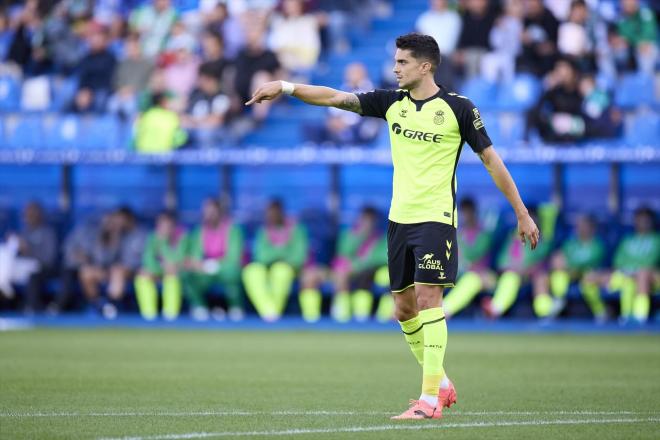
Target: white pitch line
(312, 413)
(353, 429)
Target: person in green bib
(517, 263)
(636, 266)
(280, 251)
(475, 240)
(162, 260)
(577, 260)
(360, 262)
(213, 257)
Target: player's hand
(527, 230)
(266, 92)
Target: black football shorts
(421, 253)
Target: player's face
(407, 69)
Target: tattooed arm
(316, 95)
(527, 229)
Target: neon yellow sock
(506, 291)
(467, 287)
(310, 304)
(147, 297)
(385, 310)
(281, 280)
(435, 343)
(591, 294)
(412, 332)
(542, 305)
(255, 276)
(341, 307)
(362, 301)
(641, 307)
(171, 297)
(560, 281)
(627, 297)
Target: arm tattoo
(351, 103)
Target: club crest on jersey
(439, 117)
(403, 112)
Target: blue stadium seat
(482, 93)
(634, 90)
(62, 92)
(99, 132)
(644, 129)
(23, 131)
(10, 94)
(520, 94)
(61, 131)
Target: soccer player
(578, 259)
(636, 269)
(360, 261)
(213, 257)
(428, 126)
(280, 250)
(475, 241)
(162, 260)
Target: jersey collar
(420, 102)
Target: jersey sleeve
(376, 102)
(471, 125)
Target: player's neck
(424, 90)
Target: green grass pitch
(185, 384)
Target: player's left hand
(266, 92)
(527, 230)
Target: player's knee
(404, 312)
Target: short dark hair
(420, 46)
(370, 211)
(468, 203)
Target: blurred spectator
(28, 47)
(162, 261)
(500, 63)
(130, 77)
(207, 108)
(635, 275)
(473, 42)
(64, 34)
(517, 262)
(6, 35)
(254, 66)
(218, 21)
(638, 32)
(575, 38)
(557, 117)
(213, 60)
(577, 260)
(475, 241)
(335, 18)
(602, 120)
(539, 39)
(28, 258)
(83, 102)
(215, 249)
(360, 261)
(95, 69)
(295, 38)
(280, 250)
(153, 22)
(116, 255)
(77, 250)
(444, 25)
(181, 66)
(158, 130)
(347, 128)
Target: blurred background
(135, 184)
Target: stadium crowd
(217, 267)
(181, 70)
